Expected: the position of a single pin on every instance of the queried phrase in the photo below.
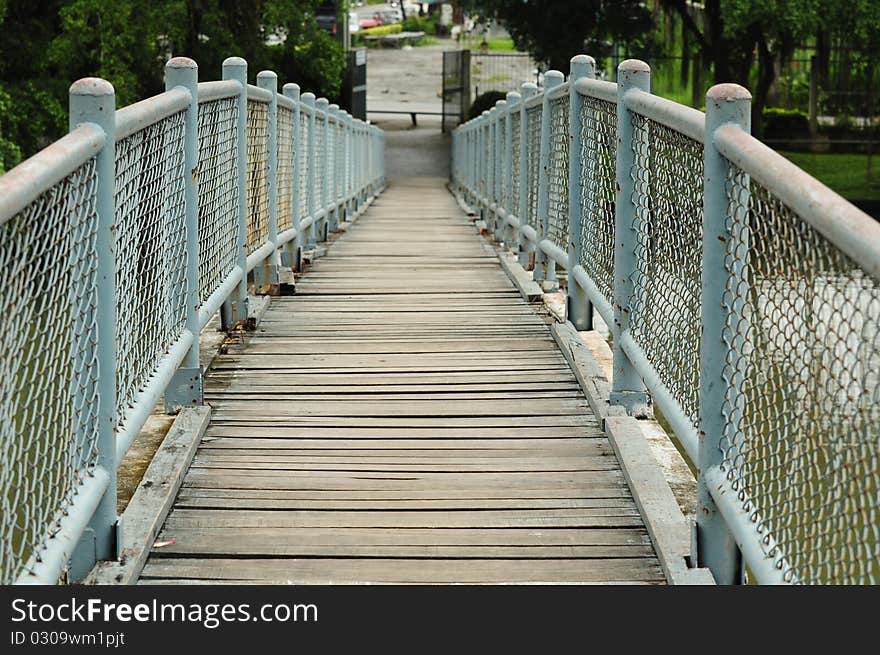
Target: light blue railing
(118, 243)
(741, 294)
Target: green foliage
(426, 24)
(850, 175)
(553, 31)
(484, 102)
(381, 30)
(45, 45)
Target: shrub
(381, 30)
(485, 101)
(420, 24)
(781, 123)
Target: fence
(119, 242)
(494, 71)
(740, 292)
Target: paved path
(406, 417)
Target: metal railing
(118, 244)
(741, 294)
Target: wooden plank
(151, 502)
(430, 571)
(406, 417)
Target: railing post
(545, 267)
(235, 68)
(489, 159)
(578, 308)
(323, 105)
(346, 167)
(725, 104)
(185, 388)
(93, 100)
(333, 176)
(356, 163)
(268, 273)
(498, 158)
(507, 232)
(308, 99)
(627, 387)
(294, 248)
(526, 247)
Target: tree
(729, 34)
(47, 44)
(554, 31)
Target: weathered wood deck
(406, 417)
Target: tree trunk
(766, 77)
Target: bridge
(429, 380)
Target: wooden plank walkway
(406, 417)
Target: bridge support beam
(627, 389)
(724, 267)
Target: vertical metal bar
(498, 161)
(526, 247)
(627, 388)
(513, 98)
(323, 105)
(235, 68)
(490, 166)
(185, 388)
(578, 308)
(269, 274)
(294, 248)
(93, 100)
(545, 267)
(308, 99)
(485, 143)
(347, 164)
(333, 174)
(725, 104)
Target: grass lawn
(847, 174)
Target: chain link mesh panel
(151, 252)
(533, 157)
(303, 164)
(802, 409)
(339, 171)
(665, 308)
(218, 193)
(320, 158)
(331, 161)
(48, 372)
(498, 160)
(257, 174)
(557, 180)
(285, 168)
(513, 186)
(598, 123)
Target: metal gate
(456, 87)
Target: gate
(456, 87)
